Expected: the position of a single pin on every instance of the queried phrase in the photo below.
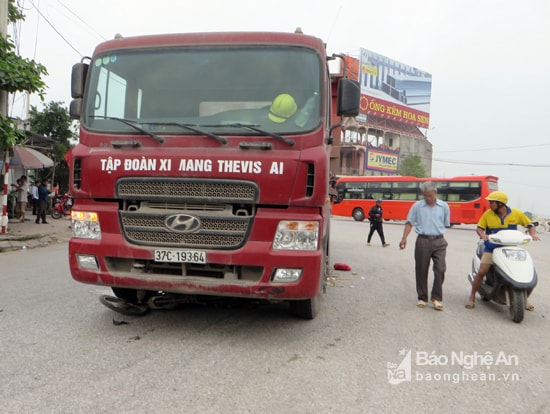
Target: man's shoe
(421, 304)
(385, 245)
(37, 222)
(437, 305)
(45, 222)
(368, 244)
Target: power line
(79, 18)
(57, 31)
(491, 163)
(496, 148)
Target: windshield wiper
(135, 125)
(190, 127)
(254, 127)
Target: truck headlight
(296, 235)
(85, 225)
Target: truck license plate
(180, 256)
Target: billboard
(382, 160)
(394, 90)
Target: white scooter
(512, 277)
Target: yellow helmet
(282, 108)
(498, 196)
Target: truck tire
(517, 305)
(307, 308)
(358, 214)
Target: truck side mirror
(75, 108)
(78, 79)
(349, 94)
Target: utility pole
(3, 33)
(4, 112)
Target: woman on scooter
(498, 217)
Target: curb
(14, 243)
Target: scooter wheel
(56, 214)
(517, 305)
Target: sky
(489, 59)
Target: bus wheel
(358, 214)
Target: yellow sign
(382, 160)
(371, 70)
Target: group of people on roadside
(39, 195)
(431, 217)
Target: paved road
(62, 353)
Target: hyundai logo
(182, 223)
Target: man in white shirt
(34, 193)
(22, 194)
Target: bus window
(463, 190)
(405, 190)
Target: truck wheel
(358, 214)
(305, 309)
(56, 214)
(517, 305)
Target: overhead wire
(496, 148)
(81, 20)
(55, 29)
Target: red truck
(203, 166)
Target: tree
(412, 165)
(54, 122)
(16, 75)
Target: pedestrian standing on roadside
(431, 217)
(43, 197)
(375, 218)
(22, 189)
(34, 194)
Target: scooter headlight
(516, 255)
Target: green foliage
(9, 133)
(17, 75)
(14, 14)
(412, 165)
(54, 122)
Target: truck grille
(187, 189)
(225, 209)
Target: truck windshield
(275, 89)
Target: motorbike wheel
(517, 305)
(121, 306)
(56, 214)
(132, 295)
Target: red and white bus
(465, 195)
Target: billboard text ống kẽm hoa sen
(393, 90)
